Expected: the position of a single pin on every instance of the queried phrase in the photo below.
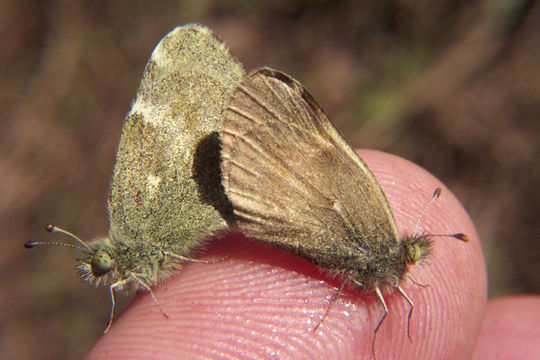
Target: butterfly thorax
(108, 262)
(388, 268)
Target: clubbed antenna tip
(461, 237)
(52, 228)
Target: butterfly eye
(101, 263)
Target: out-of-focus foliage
(453, 86)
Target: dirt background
(451, 85)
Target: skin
(510, 329)
(259, 302)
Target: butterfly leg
(186, 259)
(114, 286)
(410, 311)
(144, 285)
(417, 283)
(330, 305)
(381, 299)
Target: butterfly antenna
(434, 197)
(52, 228)
(459, 236)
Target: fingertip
(260, 300)
(456, 272)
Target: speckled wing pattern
(293, 180)
(166, 187)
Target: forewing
(293, 181)
(166, 186)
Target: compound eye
(101, 263)
(412, 254)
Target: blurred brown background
(450, 85)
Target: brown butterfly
(295, 184)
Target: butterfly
(296, 185)
(166, 198)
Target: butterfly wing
(293, 181)
(166, 187)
